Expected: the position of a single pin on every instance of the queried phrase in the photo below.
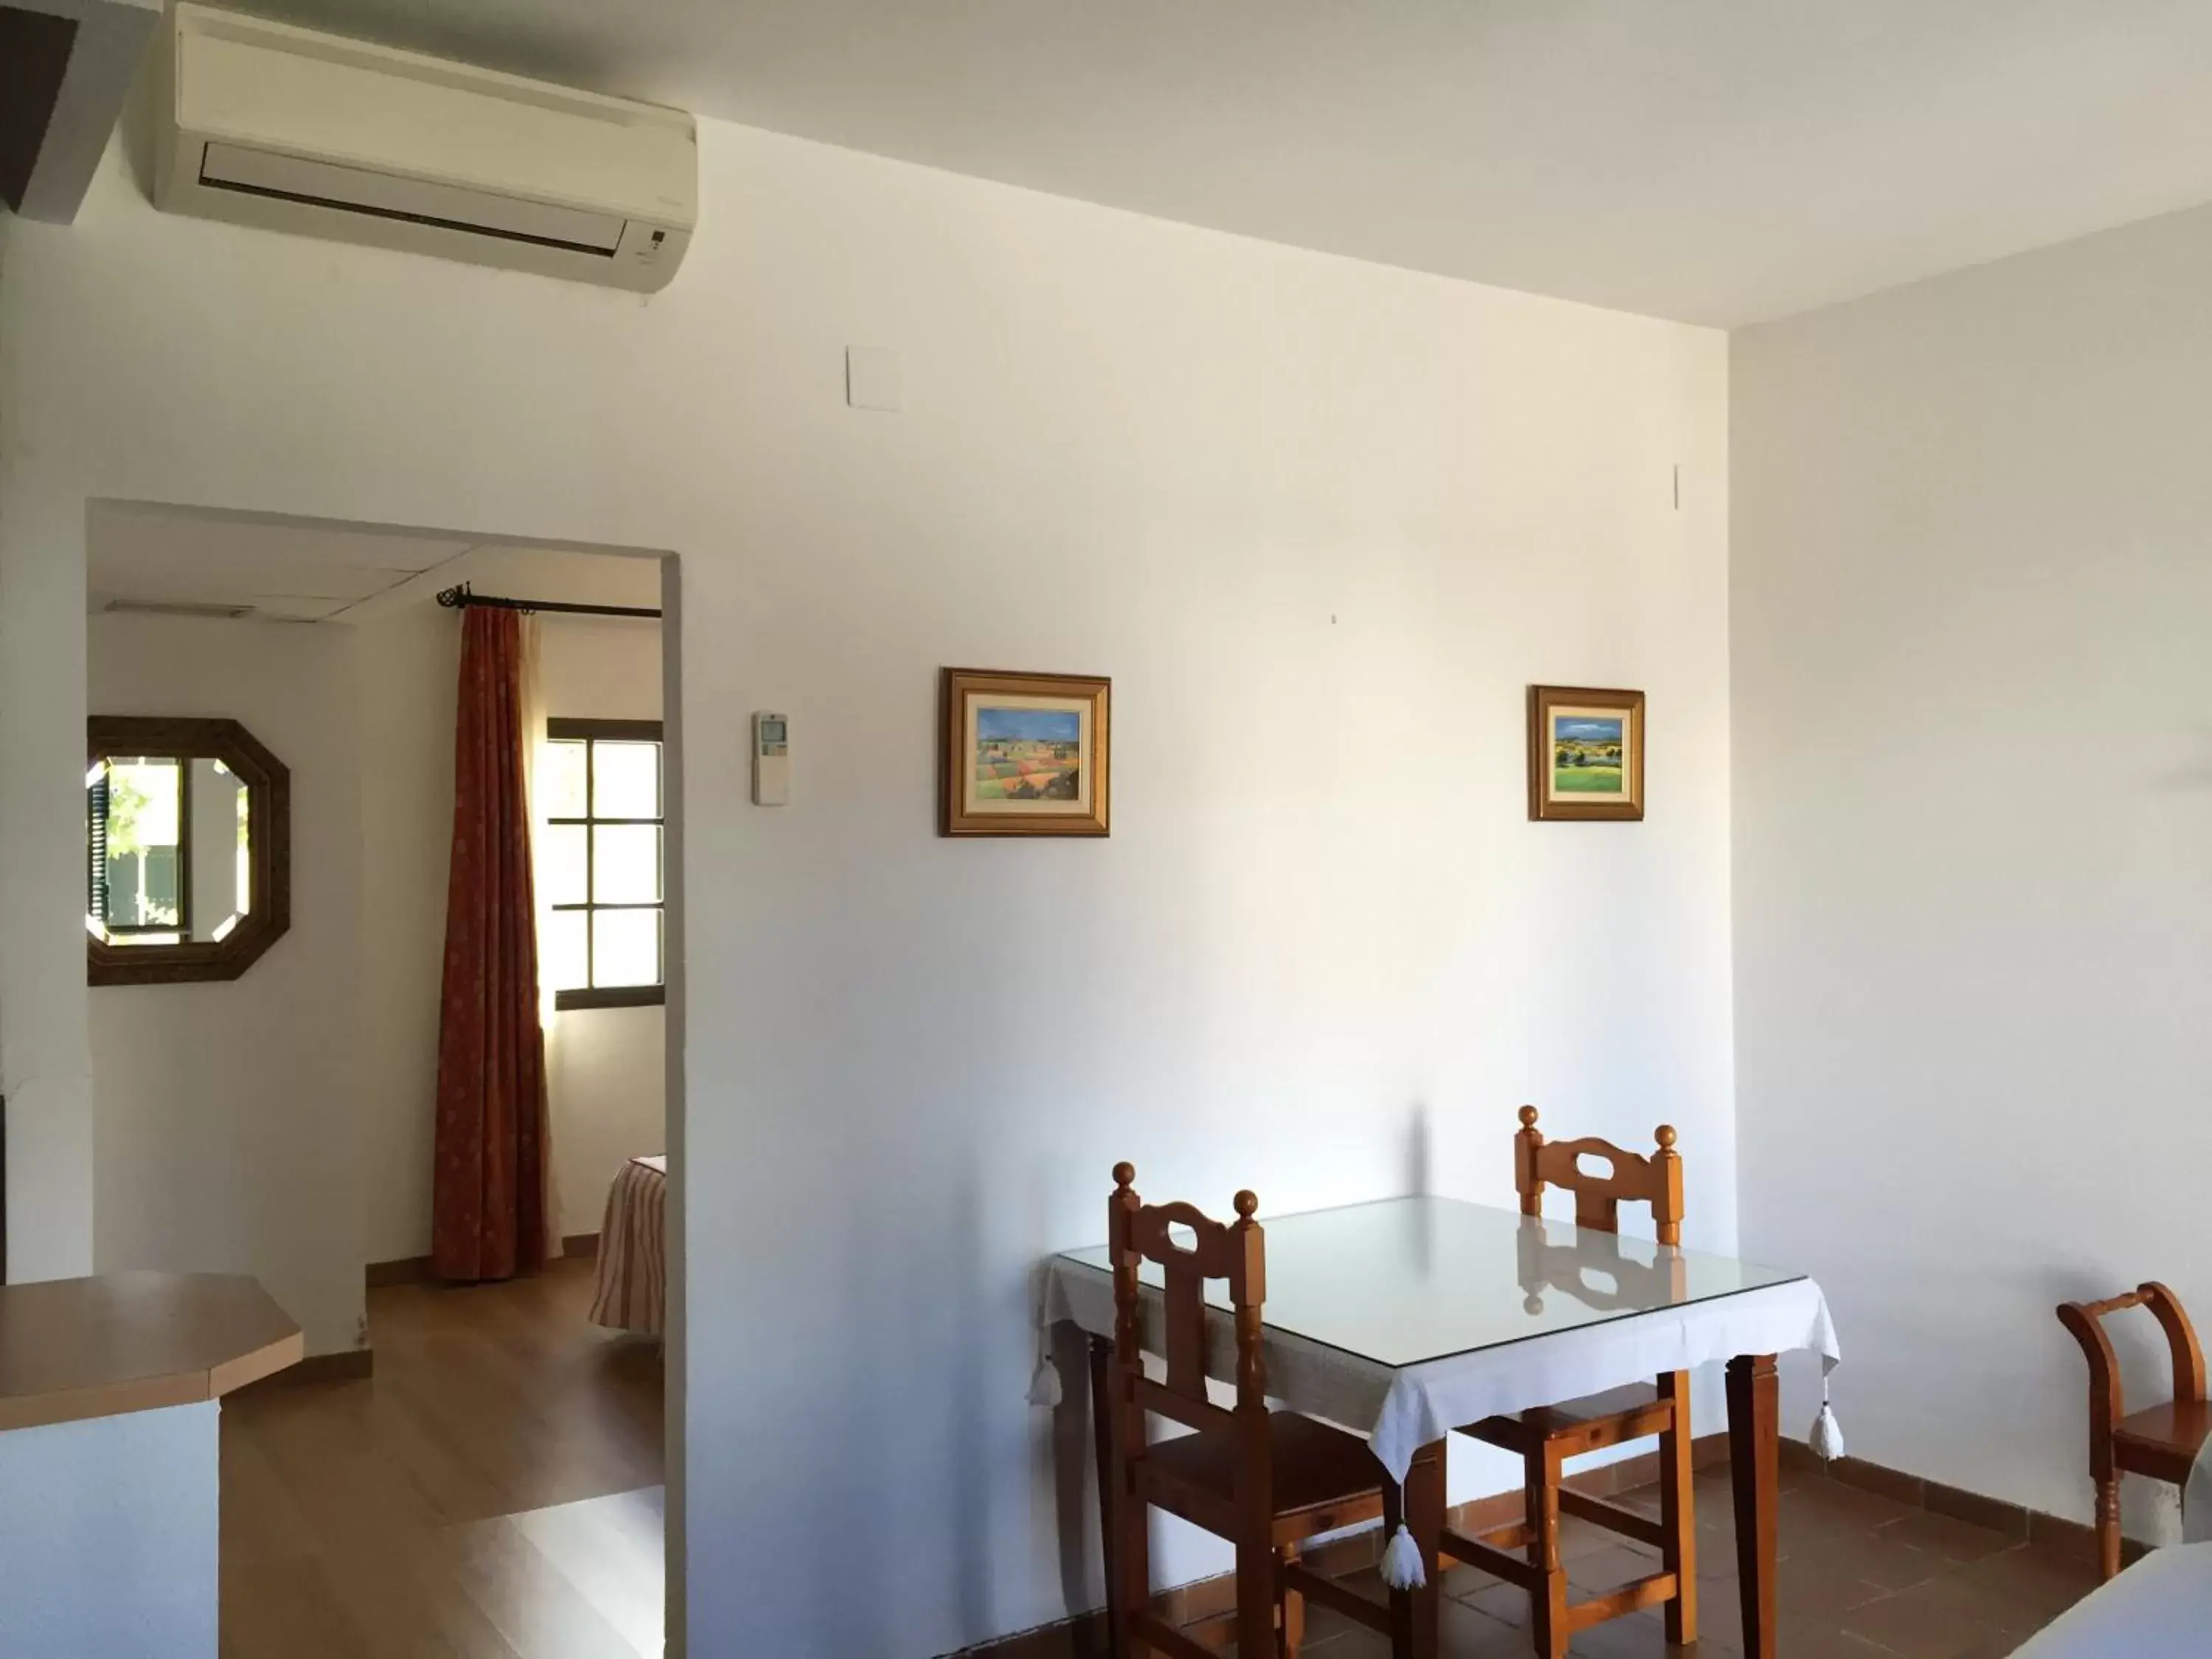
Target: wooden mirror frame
(269, 849)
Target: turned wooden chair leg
(2108, 1527)
(1256, 1600)
(1293, 1610)
(1130, 1588)
(1547, 1607)
(1677, 1514)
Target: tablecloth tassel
(1827, 1436)
(1401, 1562)
(1044, 1383)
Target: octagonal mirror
(187, 846)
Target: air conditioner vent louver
(280, 127)
(381, 195)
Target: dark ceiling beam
(66, 67)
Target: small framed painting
(1585, 753)
(1023, 754)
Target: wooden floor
(493, 1492)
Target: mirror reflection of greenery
(127, 807)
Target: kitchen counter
(73, 1348)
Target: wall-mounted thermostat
(771, 760)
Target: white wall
(109, 1530)
(1971, 584)
(45, 1070)
(606, 1076)
(227, 1113)
(599, 668)
(410, 664)
(216, 802)
(1322, 522)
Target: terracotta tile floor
(1862, 1577)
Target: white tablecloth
(1402, 1409)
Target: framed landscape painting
(1585, 753)
(1023, 754)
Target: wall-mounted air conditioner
(281, 127)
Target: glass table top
(1403, 1281)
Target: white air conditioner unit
(288, 129)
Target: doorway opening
(453, 1461)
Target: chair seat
(1316, 1467)
(2163, 1440)
(1599, 1418)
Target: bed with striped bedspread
(634, 1251)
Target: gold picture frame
(1585, 754)
(1023, 754)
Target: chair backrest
(1656, 1180)
(1138, 1232)
(2085, 1320)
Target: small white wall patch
(874, 378)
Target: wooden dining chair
(1547, 1436)
(1266, 1481)
(2160, 1441)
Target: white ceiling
(1719, 161)
(305, 571)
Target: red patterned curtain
(493, 1148)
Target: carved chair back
(1138, 1232)
(1631, 1177)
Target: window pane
(243, 871)
(144, 797)
(625, 947)
(626, 780)
(218, 802)
(626, 864)
(559, 780)
(563, 871)
(563, 947)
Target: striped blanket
(634, 1251)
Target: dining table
(1404, 1318)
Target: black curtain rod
(460, 598)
